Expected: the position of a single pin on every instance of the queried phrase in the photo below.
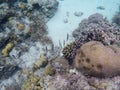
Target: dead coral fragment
(41, 62)
(95, 59)
(7, 49)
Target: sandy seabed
(57, 27)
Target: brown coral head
(96, 59)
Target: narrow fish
(46, 49)
(64, 43)
(60, 44)
(52, 47)
(67, 37)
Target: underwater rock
(14, 82)
(4, 15)
(101, 7)
(61, 65)
(7, 70)
(96, 59)
(94, 28)
(8, 1)
(78, 14)
(65, 20)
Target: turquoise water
(56, 25)
(36, 36)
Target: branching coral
(69, 51)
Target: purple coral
(97, 28)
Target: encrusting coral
(96, 59)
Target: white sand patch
(58, 29)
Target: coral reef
(77, 81)
(97, 28)
(5, 13)
(38, 28)
(94, 28)
(48, 6)
(19, 20)
(22, 27)
(95, 59)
